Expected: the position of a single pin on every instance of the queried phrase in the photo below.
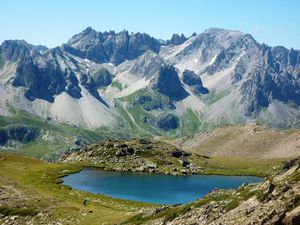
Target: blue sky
(53, 22)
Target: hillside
(139, 155)
(32, 193)
(273, 201)
(251, 141)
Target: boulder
(176, 153)
(184, 161)
(124, 151)
(293, 217)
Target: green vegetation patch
(6, 211)
(117, 85)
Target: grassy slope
(39, 183)
(225, 161)
(239, 166)
(64, 135)
(42, 192)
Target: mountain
(110, 46)
(134, 83)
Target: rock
(3, 137)
(293, 217)
(176, 39)
(271, 188)
(141, 169)
(168, 84)
(151, 167)
(45, 81)
(194, 81)
(176, 153)
(110, 46)
(87, 81)
(102, 77)
(184, 162)
(124, 151)
(202, 156)
(168, 122)
(21, 133)
(159, 210)
(184, 172)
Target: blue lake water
(153, 188)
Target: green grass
(117, 84)
(172, 214)
(64, 134)
(214, 96)
(238, 166)
(6, 211)
(42, 188)
(190, 123)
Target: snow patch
(213, 59)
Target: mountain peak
(16, 42)
(87, 30)
(216, 31)
(16, 49)
(176, 39)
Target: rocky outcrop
(89, 83)
(150, 103)
(14, 50)
(168, 122)
(292, 217)
(102, 77)
(3, 137)
(272, 81)
(194, 81)
(135, 155)
(18, 133)
(168, 84)
(45, 81)
(147, 65)
(176, 39)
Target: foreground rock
(273, 201)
